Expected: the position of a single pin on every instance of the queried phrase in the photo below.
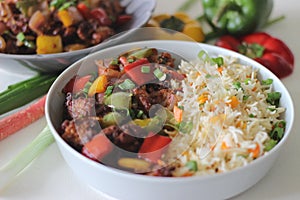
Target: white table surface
(49, 177)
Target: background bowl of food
(131, 123)
(51, 35)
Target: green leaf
(192, 165)
(270, 145)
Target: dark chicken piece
(80, 131)
(147, 98)
(128, 137)
(166, 59)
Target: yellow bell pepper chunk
(65, 17)
(48, 44)
(98, 86)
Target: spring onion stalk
(18, 164)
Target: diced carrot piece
(234, 102)
(203, 98)
(178, 113)
(255, 151)
(224, 146)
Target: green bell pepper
(237, 17)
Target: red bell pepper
(135, 71)
(265, 49)
(101, 16)
(76, 84)
(153, 147)
(84, 10)
(98, 147)
(123, 19)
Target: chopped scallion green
(145, 69)
(109, 90)
(159, 74)
(270, 145)
(21, 37)
(140, 114)
(192, 165)
(126, 85)
(267, 82)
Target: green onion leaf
(278, 130)
(139, 114)
(246, 97)
(145, 69)
(21, 37)
(219, 61)
(130, 60)
(109, 90)
(159, 74)
(126, 85)
(251, 116)
(237, 85)
(267, 82)
(185, 127)
(274, 98)
(192, 165)
(270, 145)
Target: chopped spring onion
(270, 144)
(109, 90)
(139, 114)
(145, 69)
(126, 85)
(15, 166)
(21, 37)
(159, 74)
(267, 82)
(192, 165)
(273, 98)
(219, 61)
(237, 85)
(185, 127)
(278, 131)
(130, 60)
(114, 62)
(203, 55)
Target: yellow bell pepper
(98, 86)
(48, 44)
(65, 17)
(178, 26)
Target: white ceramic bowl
(141, 11)
(127, 186)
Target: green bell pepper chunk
(237, 17)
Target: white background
(49, 177)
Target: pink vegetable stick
(22, 118)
